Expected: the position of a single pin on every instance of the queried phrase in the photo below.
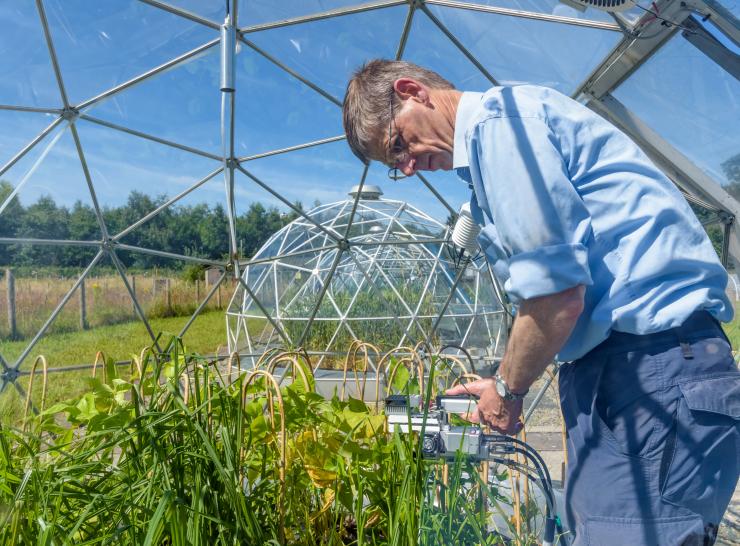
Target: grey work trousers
(653, 437)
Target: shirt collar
(466, 108)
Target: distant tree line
(198, 230)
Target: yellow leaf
(320, 476)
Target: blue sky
(679, 92)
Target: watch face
(501, 389)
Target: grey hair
(366, 108)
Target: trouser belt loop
(686, 351)
(683, 333)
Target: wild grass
(107, 300)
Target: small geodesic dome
(396, 281)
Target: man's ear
(408, 88)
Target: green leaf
(156, 524)
(401, 379)
(357, 405)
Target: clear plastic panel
(74, 336)
(693, 104)
(103, 44)
(321, 174)
(19, 129)
(133, 176)
(525, 51)
(46, 195)
(427, 46)
(413, 191)
(38, 291)
(327, 52)
(274, 110)
(215, 10)
(107, 312)
(253, 12)
(28, 77)
(182, 105)
(550, 7)
(169, 292)
(267, 282)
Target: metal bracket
(726, 218)
(698, 36)
(343, 244)
(10, 375)
(70, 114)
(231, 163)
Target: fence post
(168, 292)
(83, 306)
(197, 291)
(133, 291)
(12, 326)
(218, 297)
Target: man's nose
(407, 165)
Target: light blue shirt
(566, 199)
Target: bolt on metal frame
(640, 41)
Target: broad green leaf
(401, 379)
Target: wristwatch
(503, 390)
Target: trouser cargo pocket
(672, 531)
(701, 459)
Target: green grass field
(119, 342)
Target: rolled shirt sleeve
(539, 222)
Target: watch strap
(508, 395)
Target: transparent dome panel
(38, 291)
(46, 195)
(680, 78)
(275, 110)
(20, 129)
(548, 7)
(28, 77)
(429, 47)
(181, 105)
(135, 177)
(320, 174)
(74, 308)
(328, 51)
(213, 10)
(516, 50)
(450, 190)
(253, 12)
(169, 292)
(103, 44)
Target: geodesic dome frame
(399, 282)
(464, 35)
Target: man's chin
(440, 164)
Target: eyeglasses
(395, 148)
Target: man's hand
(501, 415)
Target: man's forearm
(541, 328)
